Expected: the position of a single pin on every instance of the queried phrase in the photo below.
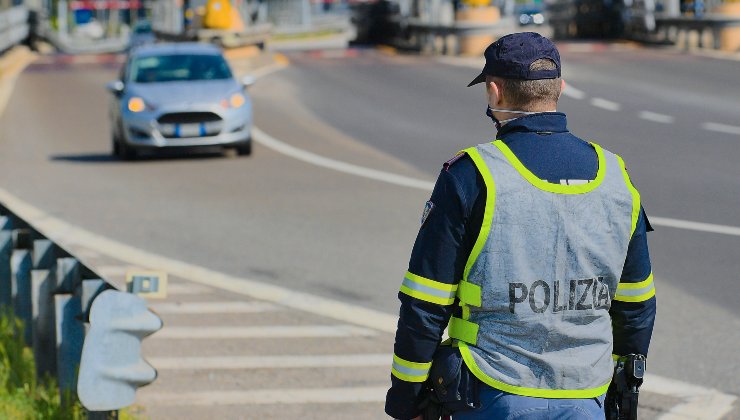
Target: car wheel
(244, 150)
(126, 152)
(116, 149)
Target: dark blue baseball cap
(510, 57)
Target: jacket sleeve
(633, 307)
(427, 295)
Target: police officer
(533, 251)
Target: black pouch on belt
(454, 386)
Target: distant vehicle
(531, 16)
(141, 34)
(179, 96)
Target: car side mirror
(115, 87)
(248, 81)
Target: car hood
(179, 93)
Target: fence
(52, 292)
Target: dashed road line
(655, 117)
(342, 395)
(571, 92)
(698, 226)
(270, 362)
(270, 331)
(233, 307)
(721, 128)
(605, 104)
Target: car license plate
(188, 130)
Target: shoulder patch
(428, 207)
(454, 159)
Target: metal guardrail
(13, 26)
(53, 293)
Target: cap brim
(480, 79)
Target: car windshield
(179, 68)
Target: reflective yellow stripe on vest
(485, 229)
(428, 290)
(463, 330)
(469, 294)
(527, 392)
(636, 292)
(410, 371)
(635, 196)
(550, 187)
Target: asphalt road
(274, 219)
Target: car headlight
(136, 104)
(236, 100)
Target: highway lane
(273, 219)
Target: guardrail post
(70, 333)
(91, 288)
(20, 281)
(6, 248)
(43, 284)
(68, 275)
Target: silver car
(179, 96)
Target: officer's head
(522, 73)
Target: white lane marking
(571, 92)
(655, 117)
(187, 289)
(605, 104)
(266, 140)
(270, 331)
(698, 226)
(721, 128)
(698, 402)
(112, 270)
(233, 307)
(342, 395)
(270, 362)
(73, 237)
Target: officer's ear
(494, 93)
(562, 87)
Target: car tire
(244, 150)
(116, 148)
(126, 152)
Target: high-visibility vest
(539, 282)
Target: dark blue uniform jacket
(544, 145)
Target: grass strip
(22, 395)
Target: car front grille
(190, 124)
(188, 118)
